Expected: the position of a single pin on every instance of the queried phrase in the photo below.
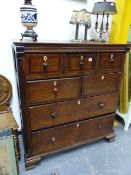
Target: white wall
(53, 24)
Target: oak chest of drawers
(68, 93)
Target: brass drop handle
(99, 126)
(53, 115)
(45, 64)
(102, 105)
(112, 60)
(81, 61)
(53, 139)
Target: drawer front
(67, 135)
(111, 62)
(80, 63)
(46, 65)
(101, 84)
(52, 90)
(50, 115)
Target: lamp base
(29, 33)
(100, 40)
(76, 40)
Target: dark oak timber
(68, 93)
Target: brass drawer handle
(102, 105)
(53, 115)
(45, 64)
(81, 61)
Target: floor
(96, 158)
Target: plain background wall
(53, 24)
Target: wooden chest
(68, 93)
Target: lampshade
(104, 7)
(81, 17)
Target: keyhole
(45, 58)
(55, 83)
(102, 77)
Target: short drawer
(111, 62)
(46, 65)
(50, 115)
(52, 90)
(54, 139)
(76, 63)
(100, 84)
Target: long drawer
(50, 115)
(53, 90)
(64, 136)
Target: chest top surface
(62, 46)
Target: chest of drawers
(68, 93)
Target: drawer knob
(81, 63)
(45, 66)
(53, 139)
(102, 105)
(55, 90)
(53, 115)
(99, 126)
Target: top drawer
(44, 65)
(111, 62)
(76, 63)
